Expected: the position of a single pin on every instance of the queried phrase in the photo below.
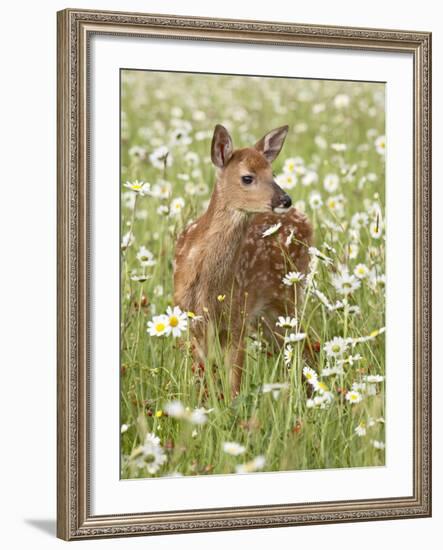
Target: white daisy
(233, 449)
(295, 337)
(330, 371)
(336, 205)
(320, 142)
(158, 290)
(286, 322)
(350, 360)
(311, 376)
(359, 220)
(318, 108)
(345, 283)
(288, 355)
(271, 230)
(309, 178)
(177, 321)
(158, 326)
(339, 147)
(287, 180)
(331, 182)
(141, 278)
(335, 347)
(124, 428)
(322, 401)
(360, 430)
(374, 378)
(127, 240)
(375, 229)
(161, 157)
(329, 248)
(175, 409)
(128, 199)
(198, 416)
(163, 210)
(322, 297)
(359, 386)
(361, 271)
(152, 455)
(289, 237)
(378, 444)
(258, 463)
(140, 187)
(292, 278)
(341, 101)
(192, 158)
(312, 251)
(315, 200)
(190, 188)
(380, 145)
(161, 190)
(201, 189)
(371, 336)
(180, 136)
(176, 206)
(145, 257)
(291, 164)
(137, 152)
(274, 388)
(353, 397)
(353, 250)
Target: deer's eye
(247, 180)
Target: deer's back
(264, 261)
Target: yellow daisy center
(160, 327)
(335, 348)
(173, 321)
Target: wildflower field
(319, 401)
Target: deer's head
(245, 179)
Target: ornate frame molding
(74, 30)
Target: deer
(225, 271)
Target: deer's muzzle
(280, 200)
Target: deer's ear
(221, 148)
(270, 144)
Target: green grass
(284, 429)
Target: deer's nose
(286, 201)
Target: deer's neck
(223, 231)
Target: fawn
(225, 270)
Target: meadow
(319, 401)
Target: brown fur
(224, 252)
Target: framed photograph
(244, 255)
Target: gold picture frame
(75, 28)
